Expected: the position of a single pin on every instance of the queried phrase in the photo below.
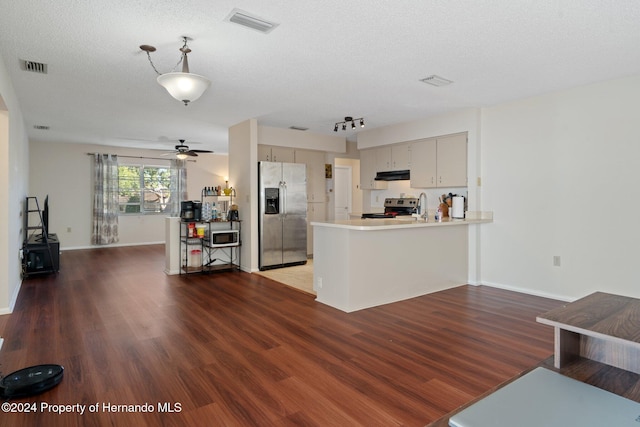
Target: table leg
(567, 347)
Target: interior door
(342, 192)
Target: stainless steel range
(394, 207)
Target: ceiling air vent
(34, 67)
(298, 128)
(436, 80)
(245, 19)
(41, 127)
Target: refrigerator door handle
(281, 198)
(284, 197)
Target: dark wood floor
(239, 349)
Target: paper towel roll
(457, 207)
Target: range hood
(393, 175)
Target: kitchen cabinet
(368, 170)
(400, 157)
(424, 168)
(383, 158)
(452, 161)
(392, 157)
(315, 161)
(439, 162)
(272, 153)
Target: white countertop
(394, 224)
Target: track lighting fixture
(183, 86)
(347, 120)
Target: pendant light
(183, 86)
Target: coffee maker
(233, 213)
(186, 210)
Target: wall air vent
(41, 127)
(34, 67)
(245, 19)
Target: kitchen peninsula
(364, 263)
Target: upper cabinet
(315, 161)
(424, 169)
(271, 153)
(400, 157)
(439, 162)
(392, 157)
(452, 161)
(368, 170)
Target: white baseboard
(12, 303)
(529, 292)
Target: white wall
(14, 180)
(243, 170)
(64, 172)
(301, 139)
(560, 173)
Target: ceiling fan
(182, 151)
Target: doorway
(343, 200)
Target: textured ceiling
(326, 60)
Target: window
(146, 190)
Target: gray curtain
(105, 199)
(178, 183)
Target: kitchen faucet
(422, 207)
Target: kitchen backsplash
(397, 188)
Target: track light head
(348, 119)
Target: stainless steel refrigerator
(282, 222)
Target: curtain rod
(141, 157)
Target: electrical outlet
(479, 182)
(68, 229)
(319, 282)
(556, 260)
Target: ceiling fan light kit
(183, 86)
(182, 151)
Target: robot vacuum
(30, 381)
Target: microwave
(221, 238)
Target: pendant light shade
(185, 87)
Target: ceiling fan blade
(201, 151)
(190, 153)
